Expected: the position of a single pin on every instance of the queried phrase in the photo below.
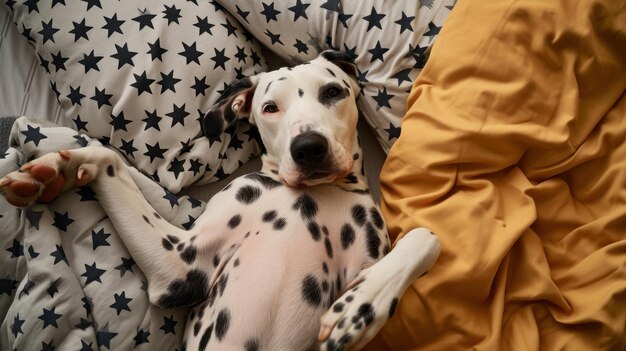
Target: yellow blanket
(513, 151)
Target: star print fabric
(389, 40)
(137, 75)
(67, 282)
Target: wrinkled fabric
(513, 151)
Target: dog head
(306, 116)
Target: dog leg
(165, 253)
(370, 300)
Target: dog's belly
(279, 271)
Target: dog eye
(332, 92)
(270, 108)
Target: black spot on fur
(167, 245)
(347, 236)
(212, 295)
(386, 250)
(358, 326)
(325, 267)
(180, 247)
(236, 263)
(147, 220)
(341, 323)
(189, 254)
(216, 261)
(196, 328)
(365, 312)
(314, 229)
(351, 179)
(373, 241)
(306, 205)
(311, 291)
(346, 338)
(268, 86)
(268, 182)
(110, 171)
(157, 215)
(331, 72)
(300, 92)
(329, 248)
(234, 221)
(331, 345)
(280, 224)
(173, 239)
(248, 194)
(222, 283)
(269, 216)
(327, 99)
(251, 345)
(377, 218)
(338, 307)
(282, 78)
(222, 323)
(188, 292)
(349, 298)
(355, 156)
(392, 307)
(359, 215)
(346, 84)
(325, 285)
(205, 338)
(325, 230)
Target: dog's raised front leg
(357, 316)
(165, 253)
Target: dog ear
(341, 60)
(234, 103)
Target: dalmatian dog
(294, 257)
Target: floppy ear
(234, 103)
(341, 60)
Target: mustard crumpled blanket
(513, 151)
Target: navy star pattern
(121, 303)
(121, 49)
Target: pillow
(388, 40)
(138, 75)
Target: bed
(511, 149)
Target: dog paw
(41, 180)
(371, 299)
(358, 315)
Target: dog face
(306, 116)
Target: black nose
(309, 149)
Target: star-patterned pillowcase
(137, 75)
(388, 40)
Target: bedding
(66, 280)
(138, 75)
(389, 41)
(513, 152)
